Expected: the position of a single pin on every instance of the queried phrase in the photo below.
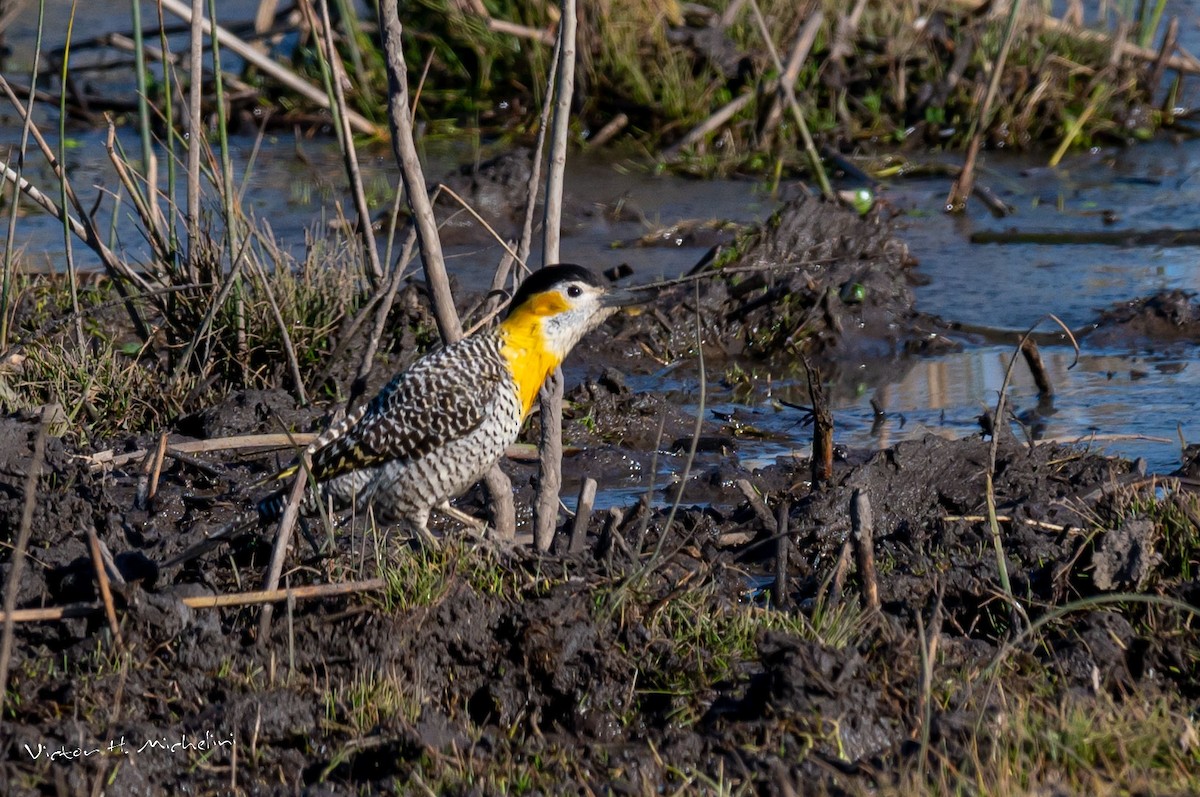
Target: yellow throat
(530, 357)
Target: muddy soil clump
(1164, 318)
(816, 278)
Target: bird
(438, 426)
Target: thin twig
(790, 94)
(17, 559)
(545, 510)
(287, 523)
(405, 149)
(102, 582)
(359, 385)
(1001, 424)
(801, 47)
(251, 598)
(956, 202)
(349, 153)
(255, 57)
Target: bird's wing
(438, 399)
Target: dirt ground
(676, 650)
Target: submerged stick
(1033, 358)
(822, 453)
(1156, 237)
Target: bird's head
(560, 304)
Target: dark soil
(564, 660)
(671, 652)
(816, 278)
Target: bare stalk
(10, 235)
(195, 134)
(789, 94)
(287, 523)
(17, 561)
(545, 510)
(400, 121)
(405, 149)
(68, 250)
(956, 202)
(251, 55)
(336, 75)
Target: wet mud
(724, 639)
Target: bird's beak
(624, 297)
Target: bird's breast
(529, 361)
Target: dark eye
(574, 291)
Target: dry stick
(756, 503)
(102, 581)
(77, 228)
(837, 579)
(299, 439)
(796, 58)
(545, 510)
(1181, 62)
(82, 227)
(359, 385)
(713, 122)
(862, 525)
(195, 126)
(349, 154)
(780, 591)
(535, 175)
(609, 131)
(287, 523)
(508, 250)
(956, 202)
(583, 514)
(400, 120)
(252, 55)
(150, 220)
(405, 149)
(251, 598)
(1165, 51)
(285, 337)
(790, 93)
(156, 471)
(17, 560)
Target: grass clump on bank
(693, 84)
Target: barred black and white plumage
(438, 426)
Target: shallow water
(1114, 396)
